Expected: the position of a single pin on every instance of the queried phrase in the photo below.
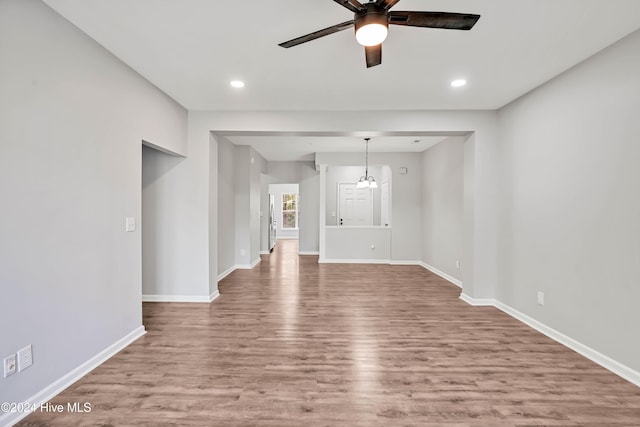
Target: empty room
(319, 213)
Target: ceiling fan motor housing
(371, 14)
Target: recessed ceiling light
(237, 83)
(458, 83)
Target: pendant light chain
(366, 159)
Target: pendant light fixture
(366, 181)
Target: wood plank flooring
(295, 343)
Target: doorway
(285, 217)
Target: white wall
(569, 205)
(309, 210)
(258, 167)
(385, 176)
(442, 206)
(72, 120)
(213, 219)
(242, 189)
(238, 182)
(226, 242)
(248, 165)
(265, 181)
(355, 244)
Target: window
(289, 210)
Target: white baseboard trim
(595, 356)
(478, 302)
(249, 266)
(180, 298)
(265, 252)
(442, 274)
(606, 362)
(400, 262)
(233, 268)
(287, 238)
(175, 298)
(227, 272)
(214, 295)
(305, 253)
(353, 261)
(58, 386)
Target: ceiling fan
(371, 21)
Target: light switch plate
(130, 224)
(25, 358)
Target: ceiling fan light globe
(371, 34)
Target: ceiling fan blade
(374, 55)
(317, 34)
(449, 21)
(387, 4)
(353, 5)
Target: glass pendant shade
(371, 34)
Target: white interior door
(354, 205)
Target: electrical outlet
(130, 224)
(9, 365)
(540, 298)
(25, 358)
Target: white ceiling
(191, 49)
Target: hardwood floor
(295, 343)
